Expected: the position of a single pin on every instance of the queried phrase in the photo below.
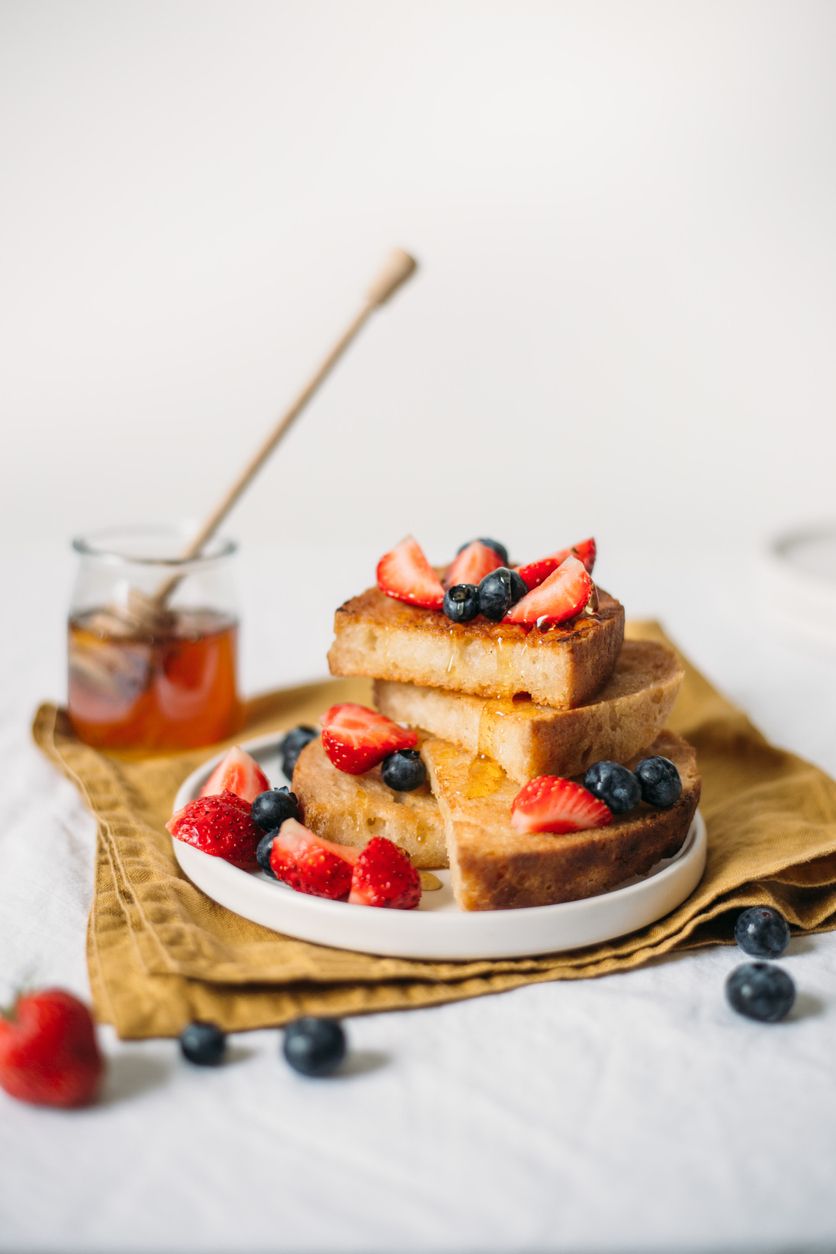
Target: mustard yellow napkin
(161, 953)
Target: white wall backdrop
(625, 212)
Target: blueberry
(495, 594)
(314, 1046)
(270, 809)
(519, 588)
(461, 602)
(262, 853)
(292, 745)
(760, 990)
(659, 781)
(615, 785)
(762, 932)
(203, 1043)
(499, 549)
(403, 770)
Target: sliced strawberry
(356, 738)
(405, 574)
(220, 825)
(238, 773)
(384, 876)
(535, 572)
(553, 804)
(306, 862)
(560, 597)
(471, 565)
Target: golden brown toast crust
(495, 868)
(350, 809)
(560, 667)
(527, 739)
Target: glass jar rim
(104, 545)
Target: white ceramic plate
(438, 929)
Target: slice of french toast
(494, 867)
(560, 667)
(528, 739)
(350, 809)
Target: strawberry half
(534, 573)
(220, 825)
(306, 862)
(405, 574)
(560, 597)
(238, 773)
(384, 876)
(356, 738)
(550, 803)
(471, 565)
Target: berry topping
(461, 602)
(762, 932)
(356, 738)
(219, 825)
(615, 785)
(314, 1046)
(384, 876)
(760, 990)
(271, 808)
(49, 1054)
(310, 864)
(405, 574)
(553, 804)
(560, 597)
(238, 773)
(659, 781)
(204, 1044)
(292, 745)
(403, 771)
(499, 549)
(471, 565)
(498, 591)
(535, 572)
(263, 851)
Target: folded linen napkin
(160, 953)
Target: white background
(624, 324)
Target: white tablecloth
(634, 1112)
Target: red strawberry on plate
(220, 825)
(560, 597)
(533, 573)
(471, 565)
(310, 864)
(238, 773)
(49, 1054)
(550, 803)
(384, 876)
(356, 738)
(405, 574)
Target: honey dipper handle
(396, 270)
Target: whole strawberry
(221, 825)
(49, 1054)
(384, 876)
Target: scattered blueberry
(292, 745)
(262, 853)
(403, 770)
(461, 602)
(519, 588)
(499, 549)
(270, 809)
(203, 1044)
(762, 932)
(495, 594)
(760, 990)
(615, 785)
(314, 1046)
(659, 781)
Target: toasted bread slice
(561, 667)
(527, 739)
(350, 809)
(495, 868)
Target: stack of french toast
(541, 770)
